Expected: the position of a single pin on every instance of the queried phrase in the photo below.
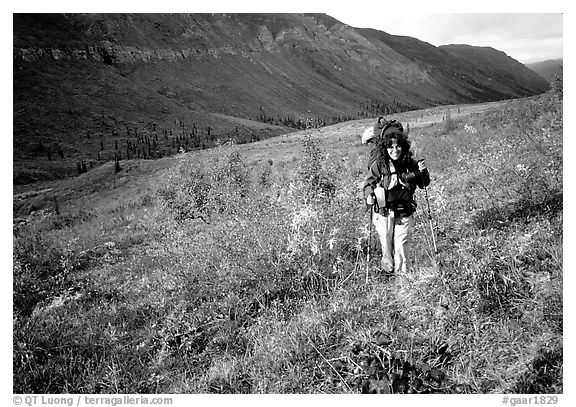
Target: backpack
(380, 128)
(391, 124)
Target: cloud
(497, 26)
(526, 37)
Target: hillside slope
(100, 184)
(253, 269)
(498, 68)
(92, 87)
(548, 69)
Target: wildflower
(470, 129)
(314, 248)
(364, 231)
(331, 243)
(521, 168)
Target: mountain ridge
(548, 69)
(210, 77)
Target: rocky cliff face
(33, 54)
(114, 54)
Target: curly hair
(380, 153)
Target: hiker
(389, 191)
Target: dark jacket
(401, 196)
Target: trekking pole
(426, 237)
(430, 220)
(369, 238)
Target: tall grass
(231, 280)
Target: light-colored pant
(395, 234)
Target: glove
(370, 200)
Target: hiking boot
(375, 271)
(386, 273)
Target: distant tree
(117, 167)
(56, 206)
(81, 167)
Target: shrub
(186, 192)
(314, 171)
(449, 123)
(193, 191)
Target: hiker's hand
(370, 200)
(422, 165)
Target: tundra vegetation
(234, 278)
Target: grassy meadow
(242, 269)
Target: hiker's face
(394, 150)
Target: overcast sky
(524, 37)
